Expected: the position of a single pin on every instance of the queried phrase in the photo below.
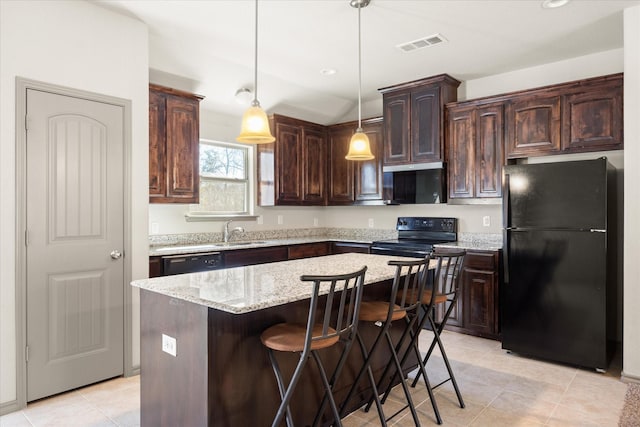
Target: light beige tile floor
(499, 389)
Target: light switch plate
(486, 221)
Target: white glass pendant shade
(359, 147)
(255, 127)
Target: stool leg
(287, 393)
(328, 388)
(407, 394)
(448, 365)
(366, 366)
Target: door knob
(116, 254)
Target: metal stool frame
(404, 303)
(446, 290)
(339, 321)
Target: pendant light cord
(359, 72)
(255, 67)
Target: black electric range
(417, 235)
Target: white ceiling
(208, 46)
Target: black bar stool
(337, 322)
(404, 302)
(445, 293)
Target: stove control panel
(436, 224)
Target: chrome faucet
(226, 233)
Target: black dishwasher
(192, 263)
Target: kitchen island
(202, 362)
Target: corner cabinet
(173, 145)
(475, 150)
(292, 170)
(349, 181)
(414, 119)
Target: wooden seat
(336, 321)
(376, 311)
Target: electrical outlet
(370, 222)
(315, 222)
(169, 345)
(486, 221)
(155, 228)
(280, 220)
(260, 220)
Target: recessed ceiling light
(552, 4)
(328, 71)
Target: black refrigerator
(559, 279)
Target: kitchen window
(225, 181)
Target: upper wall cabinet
(579, 116)
(352, 182)
(414, 119)
(475, 150)
(292, 170)
(173, 145)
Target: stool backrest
(339, 315)
(447, 273)
(408, 285)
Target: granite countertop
(177, 249)
(472, 245)
(256, 287)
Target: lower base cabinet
(477, 308)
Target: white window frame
(191, 216)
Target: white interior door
(75, 231)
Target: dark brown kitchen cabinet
(533, 126)
(477, 309)
(592, 120)
(350, 247)
(292, 170)
(173, 145)
(155, 266)
(475, 150)
(354, 181)
(414, 125)
(242, 257)
(580, 116)
(307, 250)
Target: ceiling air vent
(421, 43)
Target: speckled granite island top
(256, 287)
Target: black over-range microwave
(413, 184)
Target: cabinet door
(314, 167)
(533, 126)
(461, 153)
(396, 128)
(348, 247)
(340, 186)
(157, 140)
(155, 266)
(488, 146)
(182, 150)
(426, 117)
(593, 120)
(242, 257)
(479, 301)
(289, 165)
(368, 178)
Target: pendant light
(359, 147)
(255, 124)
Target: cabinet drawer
(480, 261)
(242, 257)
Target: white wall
(82, 46)
(631, 337)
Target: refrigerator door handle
(506, 221)
(505, 255)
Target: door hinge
(26, 237)
(26, 354)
